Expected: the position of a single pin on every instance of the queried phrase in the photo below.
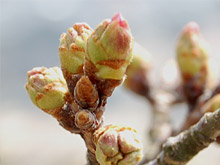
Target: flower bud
(72, 48)
(109, 48)
(47, 88)
(117, 145)
(192, 57)
(84, 119)
(85, 93)
(137, 80)
(192, 53)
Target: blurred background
(29, 37)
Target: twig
(161, 127)
(195, 114)
(180, 149)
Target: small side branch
(180, 149)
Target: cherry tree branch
(180, 149)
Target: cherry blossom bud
(47, 88)
(109, 48)
(117, 145)
(72, 48)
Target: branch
(195, 114)
(182, 148)
(161, 127)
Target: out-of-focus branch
(183, 147)
(161, 127)
(206, 103)
(160, 100)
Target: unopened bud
(84, 119)
(137, 78)
(72, 48)
(47, 88)
(192, 53)
(117, 145)
(86, 94)
(192, 57)
(109, 48)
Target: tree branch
(180, 149)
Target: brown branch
(161, 127)
(180, 149)
(160, 101)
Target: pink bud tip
(118, 17)
(191, 27)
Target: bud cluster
(93, 64)
(117, 145)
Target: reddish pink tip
(191, 27)
(118, 17)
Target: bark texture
(180, 149)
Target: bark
(194, 115)
(161, 127)
(180, 149)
